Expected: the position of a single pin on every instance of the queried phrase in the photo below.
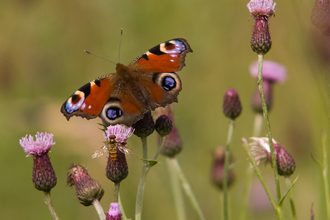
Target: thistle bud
(163, 125)
(173, 143)
(320, 16)
(145, 126)
(43, 176)
(218, 168)
(87, 189)
(232, 107)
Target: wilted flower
(261, 10)
(231, 107)
(87, 189)
(272, 72)
(218, 168)
(260, 150)
(114, 212)
(145, 126)
(116, 137)
(43, 176)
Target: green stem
(99, 209)
(187, 188)
(176, 191)
(116, 192)
(142, 183)
(325, 173)
(226, 169)
(293, 209)
(267, 122)
(278, 209)
(49, 203)
(257, 127)
(160, 147)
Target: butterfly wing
(89, 100)
(156, 67)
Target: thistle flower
(43, 176)
(272, 73)
(145, 126)
(320, 16)
(218, 168)
(261, 10)
(87, 189)
(232, 107)
(114, 212)
(116, 137)
(163, 125)
(260, 150)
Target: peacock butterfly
(123, 97)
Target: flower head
(43, 176)
(271, 71)
(231, 107)
(320, 16)
(261, 10)
(114, 212)
(41, 145)
(121, 132)
(87, 189)
(261, 7)
(260, 150)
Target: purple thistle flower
(272, 72)
(43, 176)
(121, 132)
(114, 212)
(41, 145)
(261, 7)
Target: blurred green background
(42, 63)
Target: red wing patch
(88, 101)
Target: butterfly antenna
(121, 37)
(98, 57)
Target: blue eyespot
(113, 113)
(168, 83)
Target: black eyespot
(113, 113)
(168, 83)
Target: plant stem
(160, 147)
(176, 191)
(278, 209)
(293, 209)
(226, 169)
(124, 217)
(49, 203)
(142, 183)
(267, 122)
(187, 188)
(325, 172)
(116, 192)
(257, 127)
(99, 209)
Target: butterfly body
(145, 84)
